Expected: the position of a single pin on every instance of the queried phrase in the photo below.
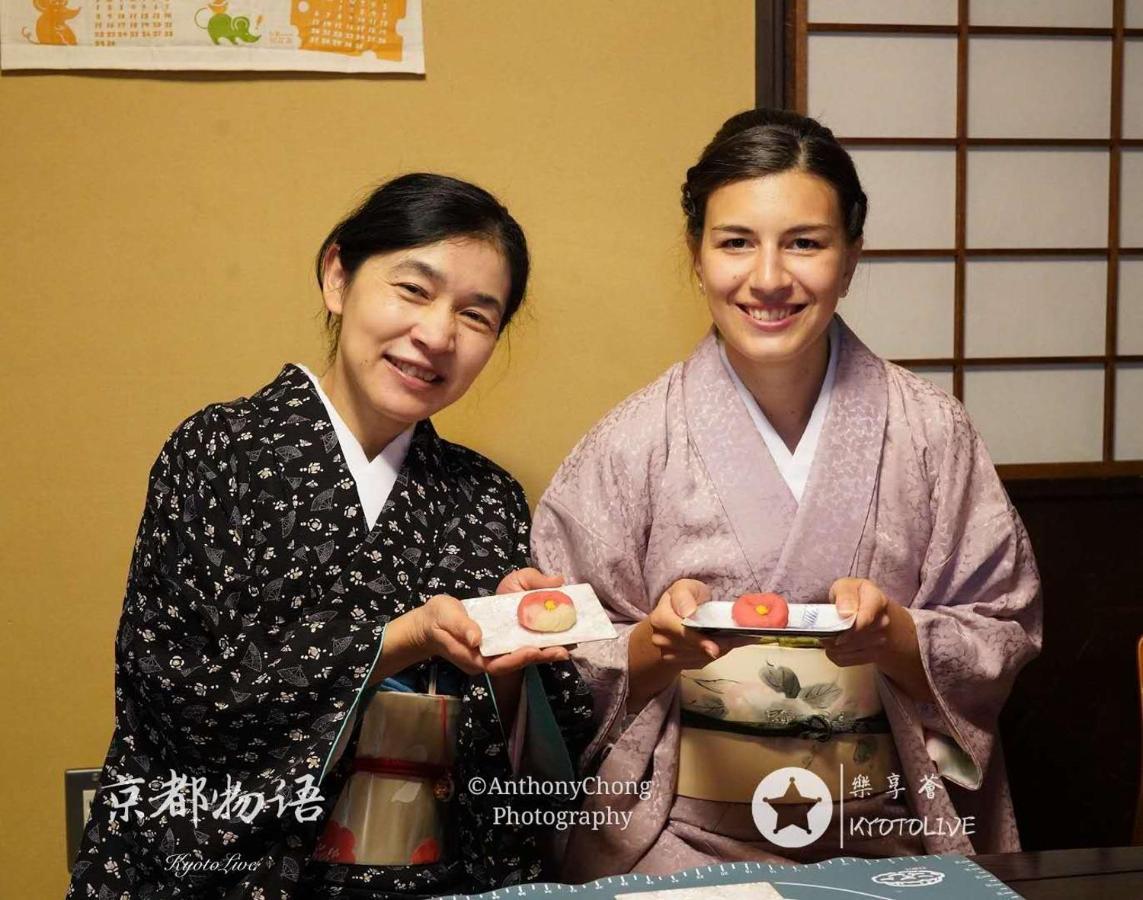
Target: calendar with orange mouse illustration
(233, 35)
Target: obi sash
(391, 811)
(764, 707)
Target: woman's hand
(441, 627)
(883, 634)
(506, 671)
(677, 645)
(662, 646)
(526, 580)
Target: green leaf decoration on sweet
(821, 695)
(781, 679)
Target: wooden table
(1110, 873)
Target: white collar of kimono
(793, 467)
(374, 477)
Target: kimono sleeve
(978, 612)
(499, 829)
(557, 714)
(220, 687)
(590, 526)
(211, 676)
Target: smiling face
(774, 261)
(417, 326)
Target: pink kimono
(676, 482)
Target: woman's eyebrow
(733, 229)
(438, 278)
(421, 268)
(810, 226)
(489, 301)
(794, 229)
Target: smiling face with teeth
(774, 260)
(417, 327)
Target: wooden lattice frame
(781, 80)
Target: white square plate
(501, 632)
(806, 620)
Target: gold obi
(391, 809)
(768, 706)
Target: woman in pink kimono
(784, 456)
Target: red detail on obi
(335, 845)
(402, 768)
(427, 851)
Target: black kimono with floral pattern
(252, 621)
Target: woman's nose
(435, 327)
(768, 275)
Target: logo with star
(792, 807)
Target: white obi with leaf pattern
(780, 703)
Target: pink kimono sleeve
(591, 526)
(560, 543)
(977, 613)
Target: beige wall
(156, 237)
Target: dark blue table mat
(949, 877)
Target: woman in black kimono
(302, 548)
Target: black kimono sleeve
(501, 853)
(215, 686)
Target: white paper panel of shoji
(1134, 14)
(1039, 88)
(1032, 307)
(1131, 199)
(876, 85)
(1129, 412)
(912, 197)
(1133, 89)
(941, 377)
(1065, 13)
(1130, 304)
(902, 309)
(884, 12)
(1038, 414)
(1037, 198)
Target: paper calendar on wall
(298, 35)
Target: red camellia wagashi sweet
(761, 611)
(546, 611)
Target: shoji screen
(1001, 145)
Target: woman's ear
(696, 266)
(852, 256)
(333, 280)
